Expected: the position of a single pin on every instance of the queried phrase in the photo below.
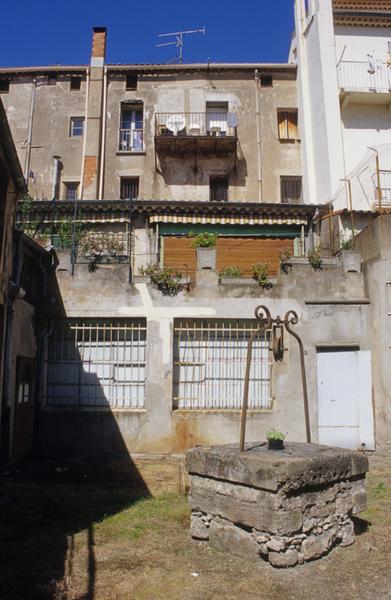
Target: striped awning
(228, 220)
(103, 217)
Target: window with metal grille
(131, 133)
(97, 363)
(218, 187)
(210, 362)
(71, 190)
(129, 188)
(291, 190)
(287, 125)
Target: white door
(345, 415)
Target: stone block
(284, 559)
(227, 537)
(199, 529)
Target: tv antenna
(178, 41)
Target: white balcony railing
(361, 77)
(131, 140)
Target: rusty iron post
(266, 322)
(262, 314)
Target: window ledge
(289, 141)
(131, 152)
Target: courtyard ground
(76, 532)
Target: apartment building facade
(343, 52)
(127, 164)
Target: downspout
(56, 169)
(85, 134)
(103, 144)
(258, 122)
(30, 130)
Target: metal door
(345, 415)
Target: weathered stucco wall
(159, 428)
(175, 177)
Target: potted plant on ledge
(350, 258)
(205, 246)
(275, 440)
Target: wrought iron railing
(131, 140)
(195, 124)
(363, 76)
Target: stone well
(284, 506)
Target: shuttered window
(129, 188)
(291, 190)
(218, 189)
(237, 251)
(287, 125)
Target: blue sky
(59, 32)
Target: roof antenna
(178, 41)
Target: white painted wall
(360, 41)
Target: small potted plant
(315, 259)
(275, 439)
(261, 276)
(350, 258)
(205, 246)
(285, 259)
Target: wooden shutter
(292, 125)
(282, 125)
(231, 251)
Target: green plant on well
(166, 279)
(203, 240)
(231, 271)
(314, 258)
(260, 274)
(273, 434)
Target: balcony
(209, 132)
(131, 140)
(359, 82)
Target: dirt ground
(67, 533)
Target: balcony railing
(183, 124)
(131, 140)
(362, 77)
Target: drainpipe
(102, 151)
(56, 170)
(258, 122)
(30, 130)
(85, 134)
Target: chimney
(98, 54)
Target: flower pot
(351, 261)
(275, 444)
(206, 258)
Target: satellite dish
(176, 123)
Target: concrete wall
(159, 428)
(170, 92)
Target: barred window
(291, 190)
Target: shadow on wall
(46, 502)
(206, 167)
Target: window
(216, 118)
(218, 187)
(71, 190)
(210, 362)
(24, 370)
(129, 188)
(75, 84)
(131, 81)
(76, 127)
(266, 80)
(287, 125)
(52, 78)
(291, 190)
(4, 86)
(97, 363)
(131, 138)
